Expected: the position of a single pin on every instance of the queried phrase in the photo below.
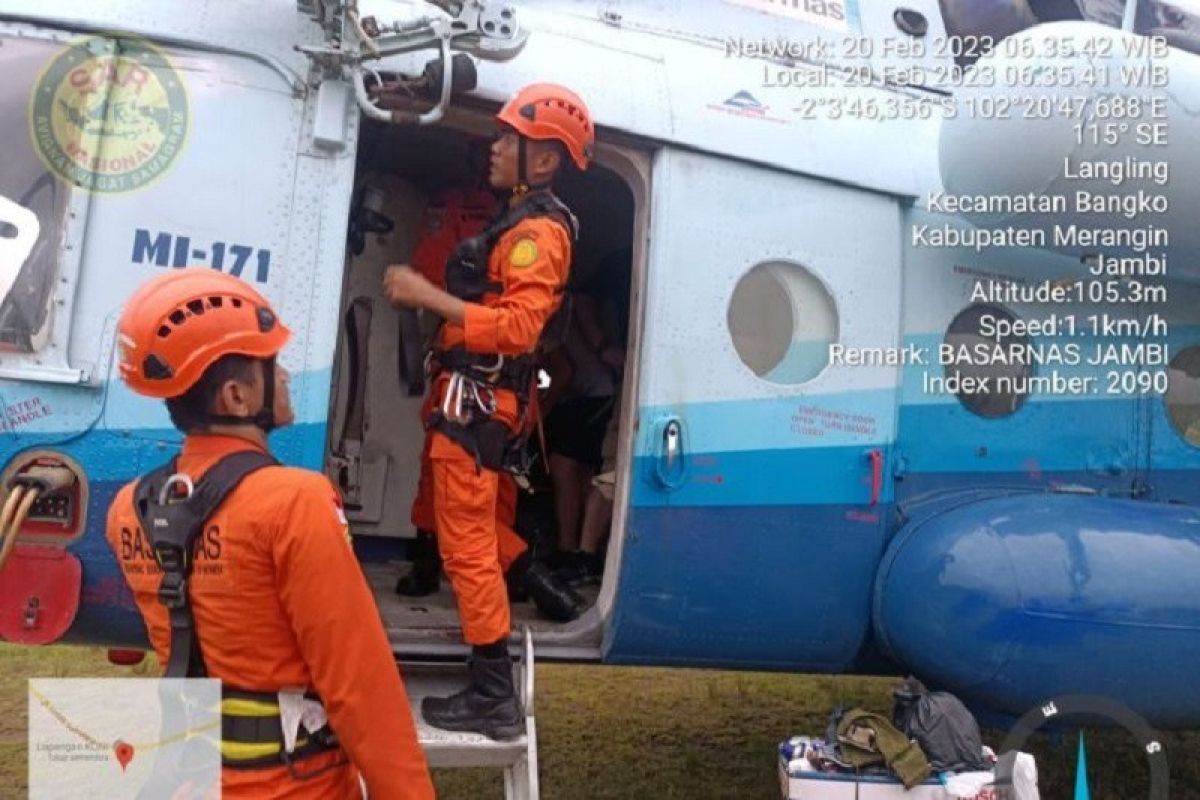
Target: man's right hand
(404, 287)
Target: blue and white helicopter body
(774, 509)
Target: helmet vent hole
(236, 302)
(177, 317)
(164, 331)
(215, 302)
(196, 307)
(154, 368)
(266, 319)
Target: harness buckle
(172, 592)
(323, 740)
(171, 557)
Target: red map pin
(124, 753)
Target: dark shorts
(575, 428)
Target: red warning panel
(39, 594)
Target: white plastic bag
(1025, 778)
(968, 785)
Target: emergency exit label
(173, 250)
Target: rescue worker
(262, 589)
(452, 216)
(502, 287)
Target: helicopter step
(450, 749)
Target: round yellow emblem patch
(523, 254)
(109, 122)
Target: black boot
(488, 705)
(580, 568)
(425, 577)
(516, 591)
(553, 598)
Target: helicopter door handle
(670, 467)
(876, 457)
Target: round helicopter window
(1183, 394)
(782, 320)
(998, 383)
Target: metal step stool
(517, 757)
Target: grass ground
(629, 733)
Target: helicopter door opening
(418, 191)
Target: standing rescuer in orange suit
(249, 577)
(451, 217)
(501, 288)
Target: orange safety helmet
(178, 324)
(550, 111)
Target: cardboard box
(799, 781)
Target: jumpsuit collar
(210, 444)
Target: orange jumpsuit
(451, 217)
(280, 601)
(531, 262)
(423, 517)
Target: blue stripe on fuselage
(106, 614)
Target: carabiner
(178, 477)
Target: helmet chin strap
(524, 185)
(264, 418)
